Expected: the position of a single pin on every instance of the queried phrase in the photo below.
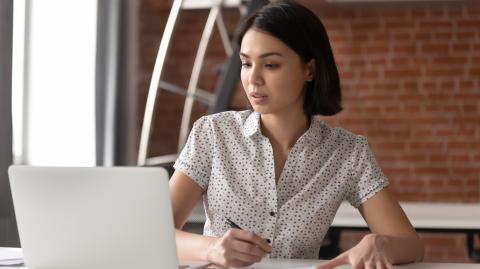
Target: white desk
(425, 217)
(291, 264)
(422, 215)
(280, 264)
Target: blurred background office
(68, 95)
(410, 72)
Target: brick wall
(411, 83)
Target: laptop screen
(95, 217)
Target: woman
(279, 172)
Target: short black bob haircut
(302, 31)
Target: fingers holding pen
(251, 238)
(237, 248)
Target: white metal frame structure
(192, 93)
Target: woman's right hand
(237, 248)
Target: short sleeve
(368, 178)
(195, 160)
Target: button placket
(272, 189)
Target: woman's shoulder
(341, 137)
(227, 118)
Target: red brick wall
(410, 77)
(411, 83)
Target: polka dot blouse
(227, 155)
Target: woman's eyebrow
(263, 55)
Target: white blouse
(227, 155)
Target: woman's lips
(258, 98)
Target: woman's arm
(393, 239)
(185, 193)
(386, 219)
(235, 248)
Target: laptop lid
(96, 217)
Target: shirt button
(272, 214)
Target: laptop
(95, 217)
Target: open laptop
(96, 217)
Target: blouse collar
(252, 127)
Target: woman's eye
(271, 66)
(245, 65)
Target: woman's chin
(261, 109)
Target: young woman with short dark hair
(278, 171)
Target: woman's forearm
(192, 247)
(402, 249)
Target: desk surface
(297, 264)
(422, 215)
(280, 264)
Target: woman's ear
(310, 70)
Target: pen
(234, 225)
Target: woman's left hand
(370, 253)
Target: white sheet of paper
(11, 256)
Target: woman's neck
(284, 130)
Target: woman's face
(273, 75)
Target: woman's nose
(255, 76)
